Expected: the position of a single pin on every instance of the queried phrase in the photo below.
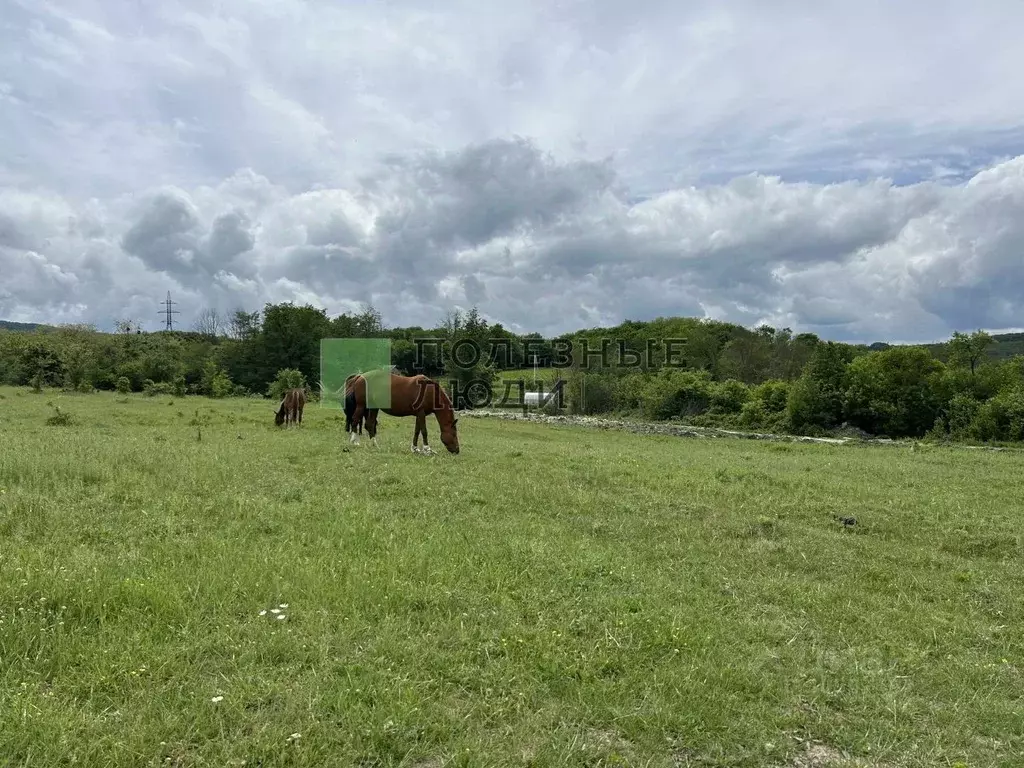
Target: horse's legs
(421, 426)
(357, 418)
(423, 420)
(371, 426)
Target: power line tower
(167, 312)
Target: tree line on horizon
(970, 387)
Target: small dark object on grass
(60, 418)
(847, 521)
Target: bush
(1001, 418)
(221, 386)
(960, 414)
(152, 389)
(772, 395)
(287, 378)
(123, 385)
(628, 391)
(728, 397)
(896, 392)
(755, 415)
(178, 386)
(815, 401)
(591, 393)
(672, 393)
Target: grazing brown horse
(349, 427)
(291, 407)
(417, 396)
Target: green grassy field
(228, 593)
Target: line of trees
(727, 375)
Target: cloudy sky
(854, 170)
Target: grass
(546, 375)
(553, 596)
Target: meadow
(182, 583)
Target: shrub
(895, 392)
(728, 397)
(628, 391)
(960, 413)
(1001, 418)
(591, 393)
(287, 378)
(676, 393)
(152, 389)
(815, 401)
(221, 386)
(772, 394)
(123, 385)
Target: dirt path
(681, 430)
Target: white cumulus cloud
(850, 169)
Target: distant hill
(10, 325)
(1006, 345)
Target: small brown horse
(291, 407)
(417, 396)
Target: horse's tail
(350, 408)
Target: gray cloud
(856, 260)
(229, 237)
(749, 163)
(166, 234)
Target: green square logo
(341, 358)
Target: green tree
(894, 392)
(967, 351)
(243, 325)
(290, 338)
(816, 399)
(466, 355)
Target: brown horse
(417, 396)
(291, 407)
(349, 426)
